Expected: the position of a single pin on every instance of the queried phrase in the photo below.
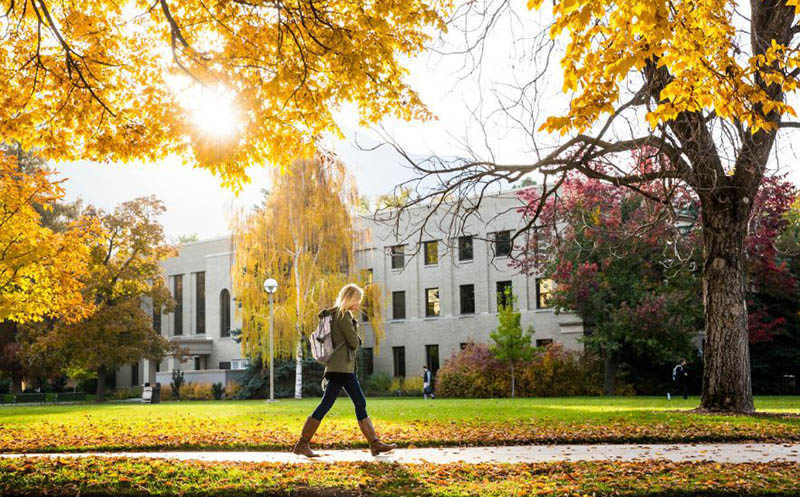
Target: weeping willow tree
(306, 236)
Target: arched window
(224, 313)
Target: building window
(462, 345)
(239, 364)
(544, 292)
(158, 366)
(504, 294)
(431, 253)
(367, 364)
(197, 363)
(200, 301)
(157, 319)
(543, 342)
(399, 361)
(398, 305)
(467, 299)
(224, 313)
(432, 358)
(398, 256)
(465, 248)
(224, 364)
(135, 374)
(431, 302)
(177, 294)
(502, 244)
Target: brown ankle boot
(302, 447)
(375, 445)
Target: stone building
(440, 292)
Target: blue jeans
(337, 381)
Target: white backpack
(321, 340)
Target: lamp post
(270, 285)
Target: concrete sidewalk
(730, 453)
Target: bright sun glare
(214, 113)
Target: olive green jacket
(344, 331)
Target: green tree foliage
(510, 344)
(187, 238)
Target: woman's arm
(349, 332)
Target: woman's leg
(332, 390)
(302, 447)
(353, 389)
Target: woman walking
(340, 373)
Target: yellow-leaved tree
(681, 101)
(105, 80)
(305, 236)
(42, 272)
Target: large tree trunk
(101, 384)
(610, 377)
(726, 375)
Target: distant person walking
(340, 373)
(679, 378)
(427, 383)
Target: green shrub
(218, 390)
(378, 384)
(177, 383)
(255, 382)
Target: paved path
(733, 453)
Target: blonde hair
(349, 295)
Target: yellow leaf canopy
(101, 79)
(696, 41)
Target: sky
(195, 202)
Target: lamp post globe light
(270, 286)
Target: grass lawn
(93, 476)
(258, 425)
